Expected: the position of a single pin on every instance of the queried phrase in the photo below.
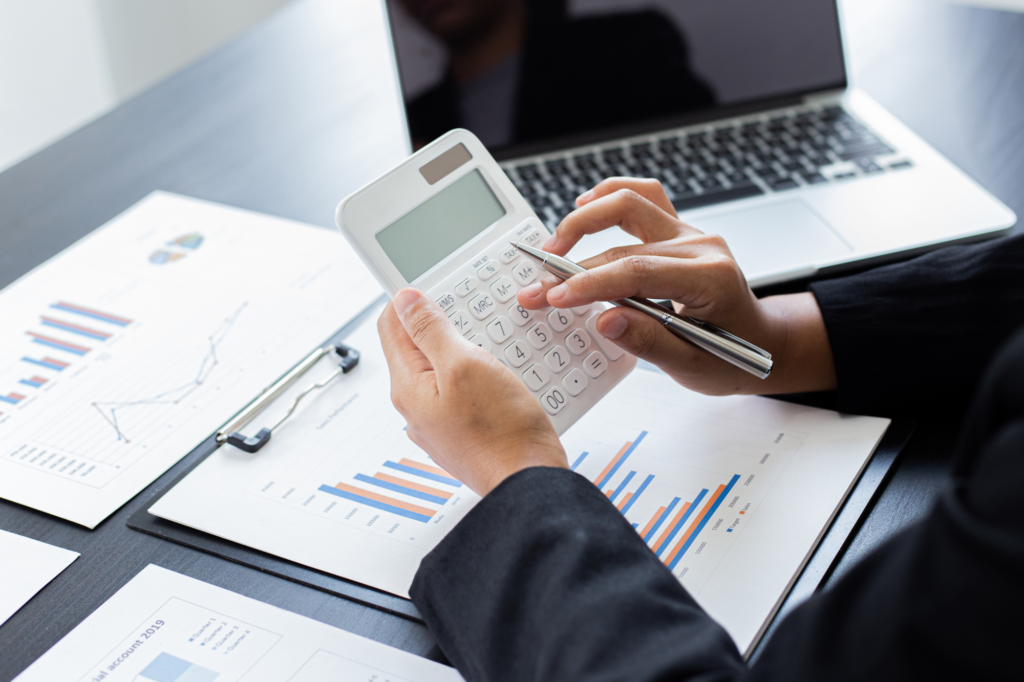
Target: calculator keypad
(557, 353)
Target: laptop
(739, 107)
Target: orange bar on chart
(654, 520)
(415, 486)
(743, 512)
(615, 460)
(415, 508)
(670, 526)
(696, 522)
(625, 499)
(437, 471)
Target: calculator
(444, 222)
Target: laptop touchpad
(775, 238)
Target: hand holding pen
(697, 272)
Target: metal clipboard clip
(349, 358)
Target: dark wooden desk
(287, 120)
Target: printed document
(166, 627)
(127, 350)
(27, 566)
(732, 494)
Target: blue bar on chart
(677, 523)
(398, 485)
(58, 344)
(698, 524)
(75, 328)
(34, 382)
(638, 493)
(168, 668)
(579, 460)
(619, 459)
(94, 314)
(431, 473)
(649, 532)
(12, 398)
(48, 363)
(382, 502)
(622, 485)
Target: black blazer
(545, 580)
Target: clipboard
(819, 567)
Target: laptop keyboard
(733, 161)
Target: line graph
(108, 410)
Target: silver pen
(714, 340)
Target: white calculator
(442, 222)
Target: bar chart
(689, 482)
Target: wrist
(801, 352)
(522, 458)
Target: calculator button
(482, 341)
(575, 382)
(577, 341)
(536, 377)
(509, 255)
(557, 359)
(595, 365)
(518, 353)
(525, 272)
(581, 310)
(610, 349)
(503, 289)
(520, 315)
(465, 286)
(560, 319)
(488, 271)
(499, 329)
(539, 335)
(554, 400)
(481, 306)
(446, 302)
(461, 320)
(531, 238)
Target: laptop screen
(536, 72)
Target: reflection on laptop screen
(529, 71)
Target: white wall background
(65, 62)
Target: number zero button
(554, 400)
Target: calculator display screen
(425, 236)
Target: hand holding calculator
(442, 222)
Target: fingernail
(613, 329)
(532, 291)
(558, 292)
(404, 299)
(550, 243)
(586, 196)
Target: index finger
(629, 210)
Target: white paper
(793, 467)
(27, 566)
(200, 307)
(166, 627)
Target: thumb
(428, 326)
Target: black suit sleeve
(914, 338)
(545, 580)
